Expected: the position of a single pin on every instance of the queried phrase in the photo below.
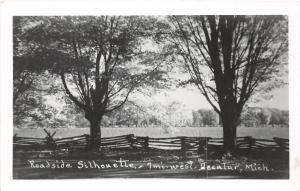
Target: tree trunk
(230, 122)
(95, 131)
(95, 134)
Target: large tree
(229, 58)
(100, 60)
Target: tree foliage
(97, 55)
(32, 109)
(23, 76)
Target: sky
(193, 99)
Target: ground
(137, 163)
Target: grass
(141, 168)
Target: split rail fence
(182, 144)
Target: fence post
(200, 145)
(87, 137)
(251, 142)
(280, 143)
(183, 147)
(50, 142)
(146, 143)
(203, 145)
(130, 140)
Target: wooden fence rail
(181, 144)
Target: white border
(138, 7)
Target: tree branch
(71, 96)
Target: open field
(215, 132)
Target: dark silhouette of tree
(100, 60)
(229, 58)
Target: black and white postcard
(169, 96)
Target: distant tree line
(140, 114)
(250, 117)
(172, 115)
(256, 116)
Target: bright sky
(193, 99)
